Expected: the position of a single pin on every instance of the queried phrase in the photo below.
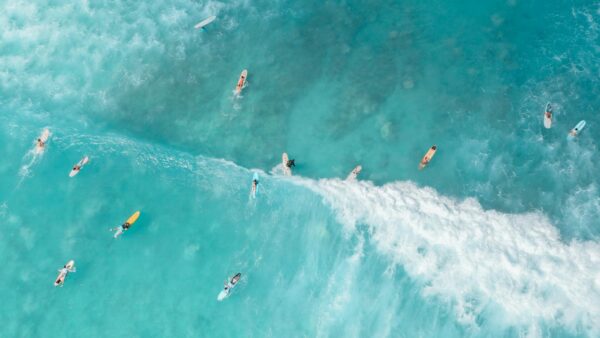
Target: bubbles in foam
(477, 260)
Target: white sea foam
(475, 260)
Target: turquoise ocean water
(497, 237)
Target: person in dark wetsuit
(230, 284)
(291, 163)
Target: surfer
(548, 111)
(574, 132)
(240, 83)
(121, 229)
(427, 156)
(76, 167)
(230, 284)
(40, 143)
(291, 163)
(254, 185)
(354, 173)
(62, 274)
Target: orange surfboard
(427, 158)
(241, 82)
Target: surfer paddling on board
(62, 273)
(231, 283)
(427, 158)
(125, 226)
(241, 82)
(354, 173)
(574, 132)
(40, 143)
(548, 116)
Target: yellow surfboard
(133, 218)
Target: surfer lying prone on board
(120, 229)
(62, 274)
(231, 283)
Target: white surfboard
(576, 130)
(205, 22)
(77, 167)
(223, 294)
(284, 160)
(354, 173)
(44, 136)
(548, 117)
(230, 285)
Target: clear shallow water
(150, 100)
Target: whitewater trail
(475, 259)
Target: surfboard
(548, 117)
(205, 22)
(44, 136)
(255, 190)
(79, 164)
(576, 130)
(428, 156)
(62, 276)
(354, 173)
(225, 292)
(133, 218)
(284, 160)
(130, 220)
(241, 82)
